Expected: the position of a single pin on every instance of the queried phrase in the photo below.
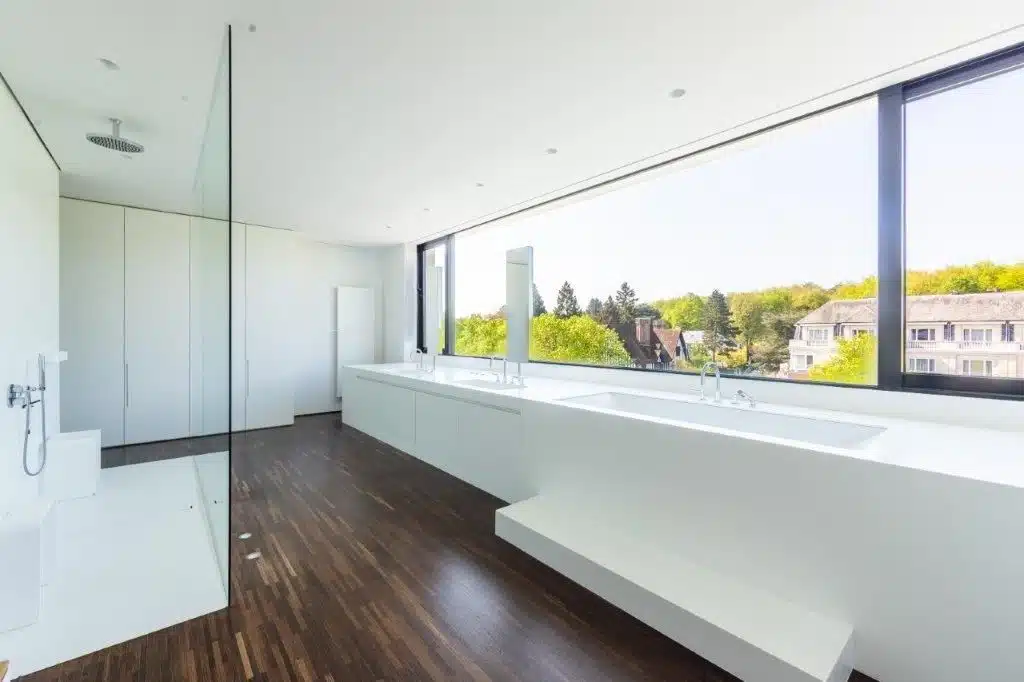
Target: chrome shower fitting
(21, 396)
(17, 395)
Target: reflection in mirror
(519, 302)
(434, 299)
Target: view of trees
(747, 332)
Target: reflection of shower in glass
(18, 395)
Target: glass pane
(760, 256)
(965, 250)
(434, 300)
(210, 302)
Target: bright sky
(794, 206)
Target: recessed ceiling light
(387, 227)
(127, 156)
(252, 28)
(184, 98)
(109, 64)
(677, 93)
(426, 210)
(479, 184)
(550, 150)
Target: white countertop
(974, 453)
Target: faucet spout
(718, 380)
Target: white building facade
(960, 334)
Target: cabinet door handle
(126, 384)
(247, 378)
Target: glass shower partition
(210, 243)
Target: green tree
(480, 335)
(685, 312)
(609, 313)
(626, 301)
(575, 339)
(748, 314)
(648, 310)
(866, 288)
(855, 362)
(779, 326)
(567, 305)
(594, 308)
(719, 334)
(538, 303)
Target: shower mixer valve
(21, 396)
(17, 395)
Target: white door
(92, 381)
(314, 343)
(270, 394)
(156, 322)
(239, 375)
(356, 329)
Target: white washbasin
(487, 383)
(754, 421)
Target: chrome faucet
(504, 370)
(418, 354)
(745, 396)
(519, 378)
(718, 380)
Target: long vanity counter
(975, 453)
(784, 544)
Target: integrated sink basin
(827, 432)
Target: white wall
(28, 287)
(319, 268)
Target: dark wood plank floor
(376, 566)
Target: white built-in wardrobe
(144, 319)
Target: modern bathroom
(583, 341)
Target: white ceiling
(352, 116)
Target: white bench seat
(753, 634)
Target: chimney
(643, 331)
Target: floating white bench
(750, 633)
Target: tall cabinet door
(92, 318)
(156, 322)
(208, 246)
(270, 390)
(239, 376)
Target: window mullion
(891, 257)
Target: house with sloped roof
(963, 334)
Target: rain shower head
(114, 141)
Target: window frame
(449, 320)
(915, 365)
(894, 373)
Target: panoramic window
(760, 256)
(964, 240)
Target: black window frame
(893, 367)
(449, 318)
